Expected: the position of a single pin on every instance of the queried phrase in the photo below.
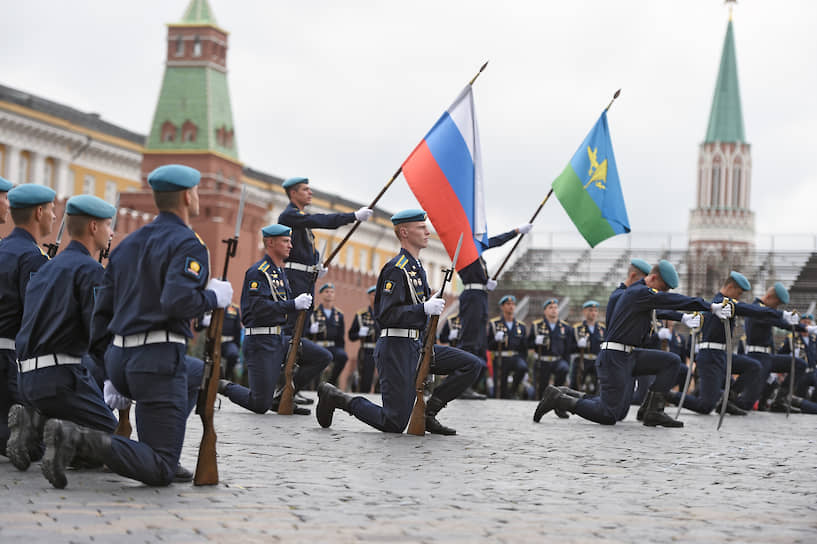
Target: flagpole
(519, 238)
(615, 95)
(381, 193)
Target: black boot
(654, 412)
(182, 475)
(296, 410)
(433, 406)
(63, 441)
(470, 394)
(222, 386)
(26, 431)
(570, 393)
(300, 399)
(329, 398)
(554, 399)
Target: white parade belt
(324, 343)
(758, 349)
(550, 358)
(227, 339)
(475, 286)
(368, 345)
(302, 267)
(400, 333)
(507, 353)
(615, 346)
(712, 345)
(7, 343)
(45, 361)
(252, 331)
(152, 337)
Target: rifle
(53, 248)
(207, 465)
(417, 423)
(498, 370)
(104, 253)
(286, 405)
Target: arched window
(179, 46)
(196, 47)
(736, 185)
(716, 185)
(168, 132)
(189, 131)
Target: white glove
(812, 329)
(205, 321)
(452, 334)
(223, 291)
(524, 229)
(434, 306)
(791, 317)
(363, 331)
(113, 398)
(313, 327)
(322, 270)
(499, 336)
(693, 321)
(491, 285)
(582, 342)
(664, 333)
(721, 310)
(363, 214)
(303, 301)
(540, 339)
(797, 352)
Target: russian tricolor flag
(445, 173)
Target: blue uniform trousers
(712, 380)
(473, 314)
(651, 357)
(229, 354)
(365, 362)
(616, 370)
(559, 369)
(396, 360)
(67, 392)
(809, 379)
(299, 282)
(164, 382)
(339, 359)
(9, 394)
(264, 356)
(769, 363)
(512, 366)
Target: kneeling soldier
(402, 305)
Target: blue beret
(807, 316)
(741, 280)
(408, 216)
(5, 185)
(292, 182)
(550, 301)
(326, 286)
(590, 304)
(642, 265)
(276, 230)
(89, 205)
(668, 273)
(173, 177)
(371, 289)
(781, 292)
(506, 298)
(30, 194)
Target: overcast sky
(343, 91)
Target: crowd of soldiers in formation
(79, 340)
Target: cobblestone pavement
(503, 478)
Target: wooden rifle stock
(207, 466)
(417, 423)
(123, 428)
(286, 405)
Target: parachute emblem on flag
(597, 172)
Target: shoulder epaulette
(263, 266)
(199, 238)
(401, 262)
(537, 321)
